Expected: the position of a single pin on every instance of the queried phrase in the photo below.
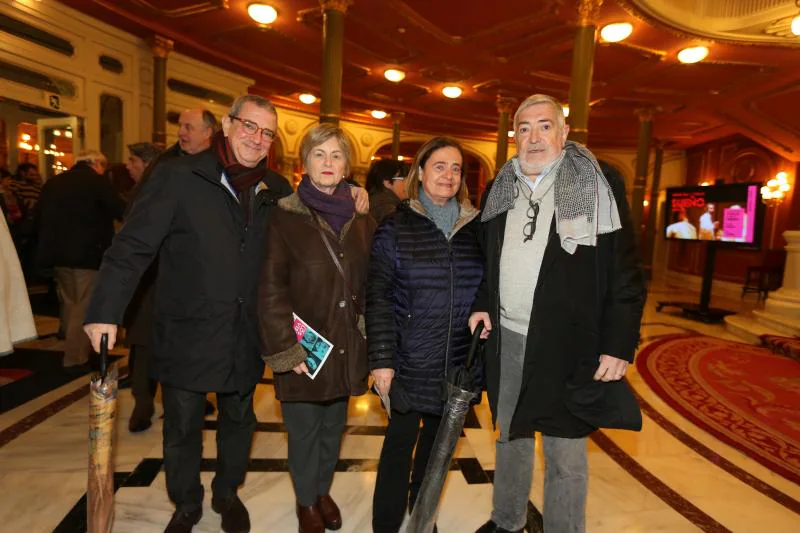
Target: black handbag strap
(336, 262)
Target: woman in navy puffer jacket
(424, 272)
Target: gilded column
(332, 60)
(648, 243)
(582, 65)
(397, 117)
(161, 48)
(642, 164)
(504, 107)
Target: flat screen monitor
(722, 213)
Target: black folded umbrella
(461, 392)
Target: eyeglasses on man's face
(251, 128)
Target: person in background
(385, 187)
(76, 217)
(196, 127)
(425, 269)
(139, 157)
(139, 315)
(16, 319)
(315, 266)
(26, 185)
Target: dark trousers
(393, 491)
(315, 437)
(184, 413)
(143, 387)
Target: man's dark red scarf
(240, 177)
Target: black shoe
(491, 527)
(183, 522)
(235, 518)
(140, 420)
(210, 409)
(125, 383)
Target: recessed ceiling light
(693, 54)
(796, 25)
(307, 98)
(395, 75)
(378, 114)
(451, 91)
(510, 133)
(565, 110)
(262, 13)
(616, 32)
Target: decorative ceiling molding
(649, 53)
(719, 21)
(752, 105)
(753, 131)
(186, 11)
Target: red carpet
(744, 395)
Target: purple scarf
(337, 208)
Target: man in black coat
(75, 220)
(195, 130)
(206, 218)
(561, 303)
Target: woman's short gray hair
(318, 135)
(541, 99)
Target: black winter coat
(420, 290)
(584, 305)
(206, 336)
(76, 213)
(139, 315)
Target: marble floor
(671, 476)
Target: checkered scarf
(585, 204)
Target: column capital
(336, 5)
(161, 46)
(397, 117)
(588, 11)
(505, 104)
(645, 114)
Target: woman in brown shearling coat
(300, 275)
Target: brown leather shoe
(310, 520)
(331, 515)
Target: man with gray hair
(205, 216)
(561, 304)
(76, 216)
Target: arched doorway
(475, 174)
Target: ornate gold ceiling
(762, 21)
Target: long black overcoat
(206, 337)
(585, 304)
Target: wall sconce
(773, 193)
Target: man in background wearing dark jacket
(196, 127)
(561, 302)
(77, 209)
